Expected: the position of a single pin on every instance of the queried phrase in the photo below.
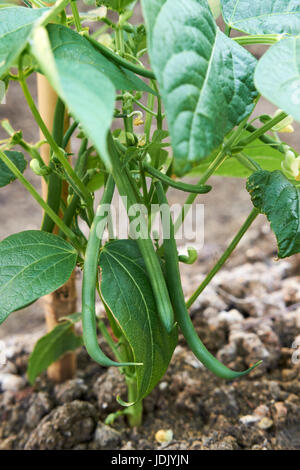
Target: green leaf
(96, 182)
(277, 75)
(279, 199)
(52, 347)
(6, 176)
(32, 264)
(206, 79)
(16, 24)
(262, 16)
(118, 5)
(127, 293)
(84, 79)
(265, 155)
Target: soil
(251, 311)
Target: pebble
(249, 419)
(106, 438)
(162, 436)
(265, 423)
(11, 382)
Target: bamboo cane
(63, 301)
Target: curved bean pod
(181, 313)
(89, 289)
(188, 188)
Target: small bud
(142, 140)
(291, 166)
(131, 138)
(285, 125)
(37, 169)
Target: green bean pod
(90, 272)
(181, 313)
(188, 188)
(156, 277)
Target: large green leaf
(16, 24)
(262, 16)
(206, 79)
(32, 264)
(6, 176)
(84, 79)
(265, 155)
(52, 347)
(277, 75)
(127, 293)
(277, 197)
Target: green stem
(76, 16)
(227, 30)
(105, 333)
(259, 132)
(149, 116)
(90, 275)
(216, 163)
(265, 138)
(55, 148)
(144, 108)
(119, 60)
(134, 413)
(53, 13)
(177, 297)
(259, 39)
(254, 213)
(54, 181)
(70, 235)
(221, 157)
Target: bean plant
(150, 103)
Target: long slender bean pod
(89, 286)
(188, 188)
(145, 244)
(181, 313)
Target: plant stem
(71, 236)
(265, 138)
(144, 108)
(134, 412)
(52, 14)
(76, 15)
(221, 157)
(219, 160)
(259, 132)
(258, 39)
(54, 181)
(56, 149)
(254, 213)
